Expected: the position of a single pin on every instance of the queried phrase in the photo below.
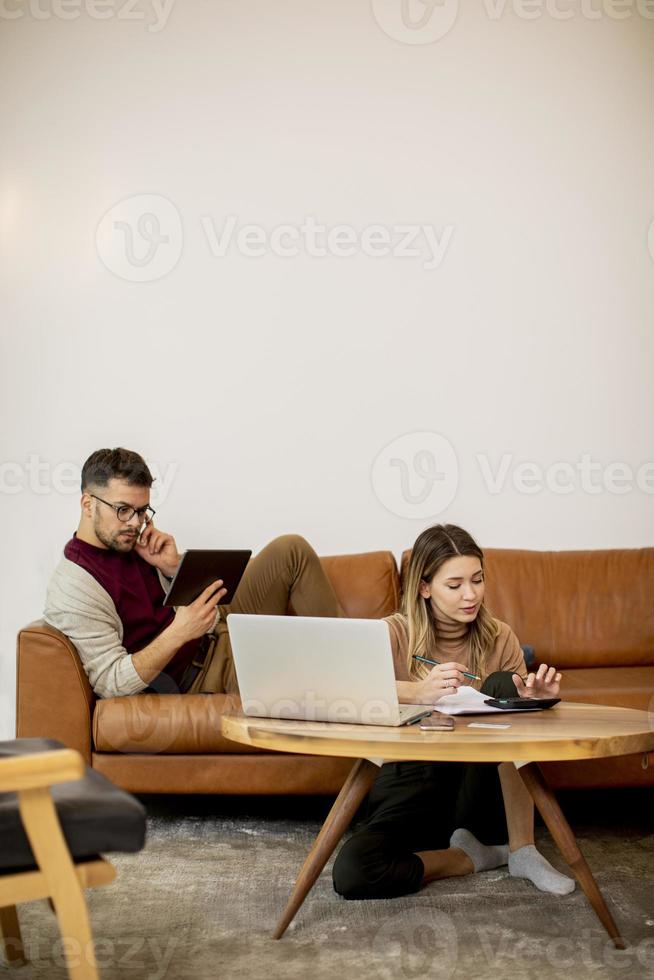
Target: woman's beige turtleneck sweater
(453, 645)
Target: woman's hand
(545, 683)
(441, 680)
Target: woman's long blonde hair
(432, 548)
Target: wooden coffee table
(568, 731)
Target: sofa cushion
(168, 724)
(367, 585)
(96, 817)
(578, 608)
(626, 687)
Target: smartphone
(436, 723)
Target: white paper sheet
(468, 701)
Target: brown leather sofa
(589, 613)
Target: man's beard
(118, 541)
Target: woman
(432, 820)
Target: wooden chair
(52, 826)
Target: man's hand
(158, 549)
(545, 683)
(195, 620)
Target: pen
(436, 663)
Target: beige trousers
(286, 572)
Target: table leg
(564, 839)
(361, 777)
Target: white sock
(483, 856)
(529, 863)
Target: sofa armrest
(53, 696)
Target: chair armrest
(53, 696)
(41, 769)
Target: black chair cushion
(95, 816)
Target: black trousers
(415, 806)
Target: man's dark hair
(119, 464)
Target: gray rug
(202, 898)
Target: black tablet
(199, 568)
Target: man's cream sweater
(78, 605)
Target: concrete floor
(202, 899)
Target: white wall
(267, 386)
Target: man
(106, 594)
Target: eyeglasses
(125, 513)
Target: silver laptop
(318, 669)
